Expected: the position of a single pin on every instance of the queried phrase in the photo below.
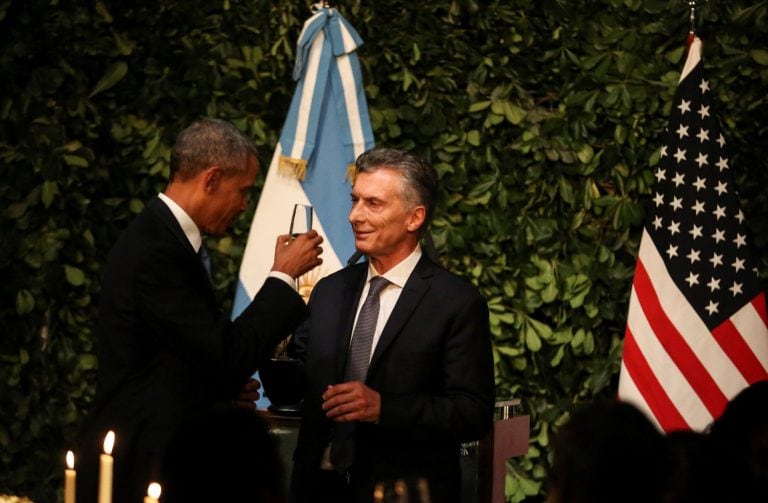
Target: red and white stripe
(675, 368)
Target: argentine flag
(327, 127)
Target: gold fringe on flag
(351, 173)
(289, 166)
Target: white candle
(69, 479)
(105, 469)
(153, 493)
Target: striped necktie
(342, 445)
(362, 337)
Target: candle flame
(154, 490)
(109, 442)
(70, 460)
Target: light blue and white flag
(327, 127)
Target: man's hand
(352, 401)
(248, 395)
(295, 256)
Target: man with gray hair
(396, 351)
(165, 349)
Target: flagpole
(692, 18)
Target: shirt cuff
(283, 277)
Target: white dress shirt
(388, 297)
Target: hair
(693, 470)
(608, 451)
(740, 439)
(419, 177)
(210, 142)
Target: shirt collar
(399, 274)
(188, 225)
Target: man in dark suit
(165, 349)
(429, 383)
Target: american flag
(697, 331)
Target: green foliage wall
(543, 118)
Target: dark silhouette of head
(693, 475)
(608, 451)
(740, 439)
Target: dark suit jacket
(433, 367)
(166, 350)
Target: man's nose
(353, 213)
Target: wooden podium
(483, 463)
(508, 438)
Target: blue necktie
(205, 259)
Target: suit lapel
(161, 210)
(413, 291)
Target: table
(483, 463)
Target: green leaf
(75, 276)
(114, 74)
(75, 160)
(549, 293)
(88, 361)
(473, 138)
(25, 302)
(15, 210)
(565, 189)
(532, 340)
(50, 189)
(620, 134)
(478, 106)
(585, 153)
(103, 11)
(576, 288)
(555, 361)
(760, 56)
(509, 350)
(535, 331)
(513, 113)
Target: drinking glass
(301, 219)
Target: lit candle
(153, 493)
(105, 469)
(69, 479)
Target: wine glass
(301, 222)
(301, 219)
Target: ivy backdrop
(543, 118)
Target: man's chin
(362, 246)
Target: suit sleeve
(180, 308)
(463, 409)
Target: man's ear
(416, 218)
(212, 179)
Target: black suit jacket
(166, 350)
(433, 367)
